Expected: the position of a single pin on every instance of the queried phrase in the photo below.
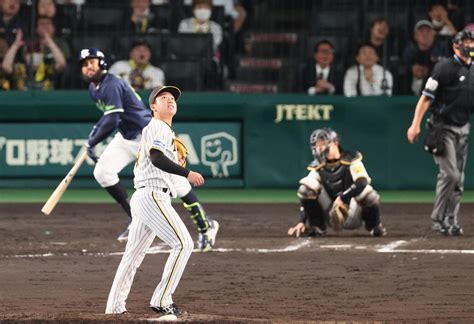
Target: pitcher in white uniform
(153, 214)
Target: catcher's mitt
(182, 152)
(338, 216)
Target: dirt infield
(60, 268)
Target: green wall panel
(274, 150)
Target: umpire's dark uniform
(451, 89)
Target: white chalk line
(391, 247)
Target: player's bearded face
(91, 70)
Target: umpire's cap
(171, 89)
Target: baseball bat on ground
(59, 191)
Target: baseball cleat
(378, 231)
(203, 242)
(123, 237)
(212, 232)
(456, 230)
(440, 228)
(169, 313)
(207, 240)
(314, 231)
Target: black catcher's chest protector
(335, 178)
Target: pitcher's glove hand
(182, 152)
(91, 153)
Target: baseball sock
(120, 195)
(198, 215)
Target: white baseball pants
(152, 215)
(117, 155)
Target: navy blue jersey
(114, 95)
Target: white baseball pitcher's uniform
(153, 215)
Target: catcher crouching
(337, 191)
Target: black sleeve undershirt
(162, 162)
(357, 187)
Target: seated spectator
(424, 42)
(46, 8)
(234, 10)
(45, 55)
(5, 78)
(137, 70)
(10, 22)
(142, 20)
(14, 76)
(367, 78)
(440, 20)
(202, 23)
(455, 14)
(319, 76)
(420, 70)
(379, 35)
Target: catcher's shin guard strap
(198, 215)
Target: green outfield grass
(209, 196)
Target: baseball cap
(423, 23)
(171, 89)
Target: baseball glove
(182, 152)
(338, 216)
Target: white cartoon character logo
(219, 151)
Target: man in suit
(320, 77)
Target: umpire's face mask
(467, 48)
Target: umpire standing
(449, 97)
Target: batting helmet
(93, 53)
(458, 38)
(323, 134)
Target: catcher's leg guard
(369, 200)
(371, 216)
(313, 213)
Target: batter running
(153, 214)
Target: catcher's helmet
(93, 53)
(322, 134)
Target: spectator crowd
(198, 43)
